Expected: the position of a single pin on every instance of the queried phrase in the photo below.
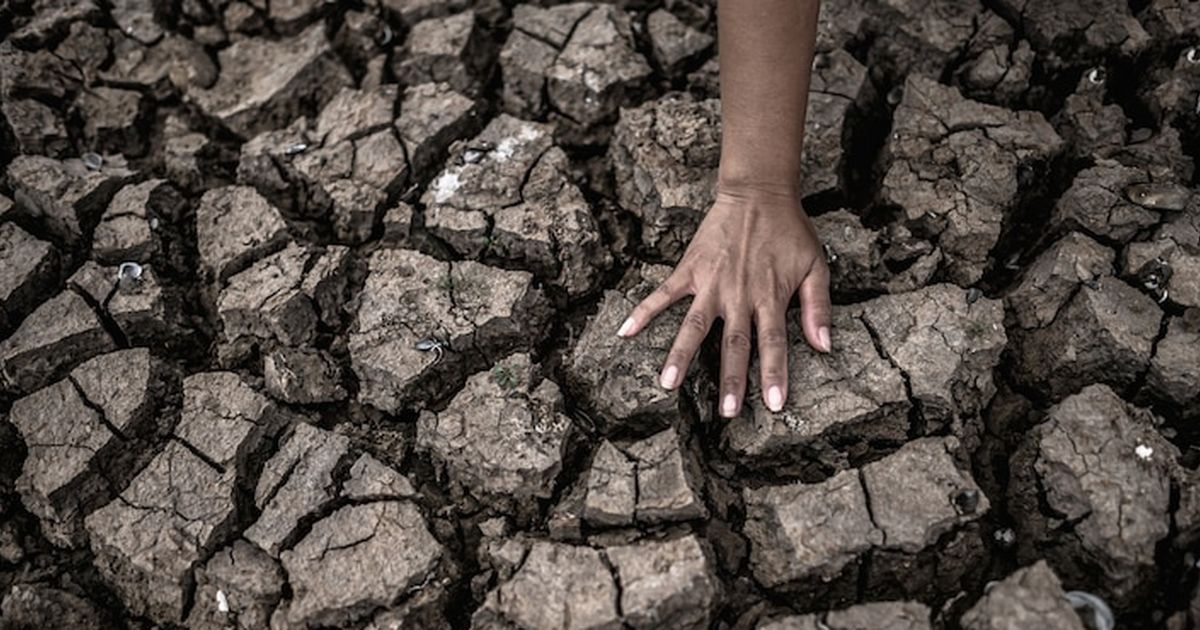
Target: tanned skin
(756, 247)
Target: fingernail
(729, 406)
(775, 398)
(823, 339)
(623, 331)
(668, 377)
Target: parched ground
(308, 317)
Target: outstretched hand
(752, 252)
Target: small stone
(675, 45)
(303, 376)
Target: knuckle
(772, 338)
(737, 340)
(772, 373)
(696, 321)
(732, 383)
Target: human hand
(754, 249)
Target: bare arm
(756, 247)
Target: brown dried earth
(307, 316)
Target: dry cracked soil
(307, 313)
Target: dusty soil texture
(308, 314)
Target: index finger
(667, 293)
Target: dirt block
(838, 91)
(114, 120)
(43, 606)
(665, 156)
(135, 18)
(801, 533)
(444, 50)
(579, 58)
(891, 615)
(1173, 375)
(1170, 21)
(432, 117)
(946, 346)
(1168, 265)
(302, 376)
(78, 433)
(1090, 126)
(175, 64)
(52, 17)
(143, 310)
(358, 559)
(854, 254)
(250, 97)
(397, 225)
(353, 114)
(234, 227)
(910, 507)
(1102, 335)
(36, 128)
(509, 192)
(555, 582)
(374, 480)
(128, 229)
(502, 436)
(413, 11)
(296, 482)
(188, 157)
(675, 45)
(29, 266)
(187, 500)
(66, 197)
(38, 74)
(55, 337)
(290, 15)
(1103, 201)
(281, 299)
(1077, 35)
(1031, 597)
(1100, 465)
(239, 586)
(618, 378)
(668, 584)
(953, 167)
(354, 210)
(472, 310)
(650, 481)
(1054, 276)
(840, 406)
(997, 65)
(597, 69)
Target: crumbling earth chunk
(618, 378)
(1030, 597)
(955, 169)
(421, 323)
(1100, 465)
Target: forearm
(766, 52)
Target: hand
(753, 250)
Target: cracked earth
(308, 317)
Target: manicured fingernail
(623, 331)
(668, 377)
(729, 405)
(775, 398)
(823, 339)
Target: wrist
(758, 189)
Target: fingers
(735, 358)
(815, 310)
(691, 334)
(665, 295)
(772, 355)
